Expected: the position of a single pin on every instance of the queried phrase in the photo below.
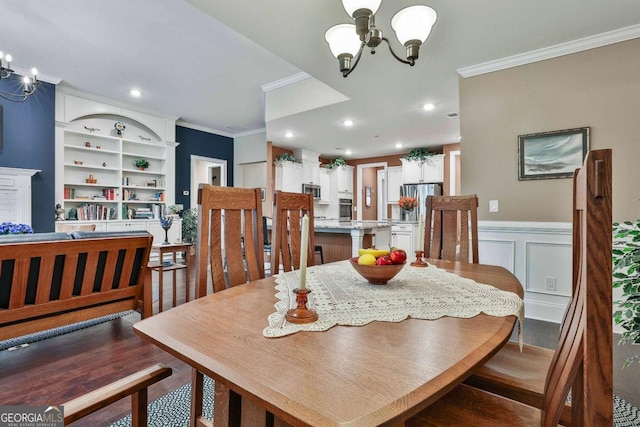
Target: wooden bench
(48, 280)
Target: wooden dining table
(381, 373)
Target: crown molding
(42, 77)
(579, 45)
(67, 90)
(295, 78)
(219, 132)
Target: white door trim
(359, 184)
(209, 162)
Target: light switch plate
(494, 206)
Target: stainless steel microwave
(312, 189)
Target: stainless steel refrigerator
(420, 192)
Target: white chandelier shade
(352, 5)
(413, 23)
(342, 39)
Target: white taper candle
(304, 249)
(420, 234)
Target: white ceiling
(208, 68)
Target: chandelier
(29, 84)
(346, 41)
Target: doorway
(360, 192)
(206, 170)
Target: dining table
(376, 371)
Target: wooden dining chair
(582, 361)
(135, 385)
(230, 241)
(451, 225)
(522, 377)
(230, 237)
(288, 210)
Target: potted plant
(189, 225)
(11, 228)
(626, 275)
(418, 155)
(284, 157)
(141, 164)
(337, 162)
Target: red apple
(398, 256)
(384, 260)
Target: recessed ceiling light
(398, 144)
(348, 152)
(348, 123)
(289, 134)
(428, 107)
(135, 93)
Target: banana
(372, 251)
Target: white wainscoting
(534, 252)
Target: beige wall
(599, 88)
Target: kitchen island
(341, 240)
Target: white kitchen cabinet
(325, 186)
(342, 179)
(394, 182)
(431, 170)
(404, 236)
(311, 172)
(289, 177)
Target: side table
(161, 267)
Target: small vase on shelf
(165, 222)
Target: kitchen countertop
(324, 225)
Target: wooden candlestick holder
(301, 314)
(419, 262)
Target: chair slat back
(230, 237)
(583, 360)
(289, 208)
(451, 228)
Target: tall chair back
(230, 237)
(289, 208)
(592, 387)
(451, 227)
(582, 362)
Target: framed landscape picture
(554, 154)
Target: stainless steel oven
(345, 207)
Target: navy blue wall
(29, 142)
(195, 142)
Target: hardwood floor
(60, 368)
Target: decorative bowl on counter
(376, 274)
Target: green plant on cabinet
(418, 155)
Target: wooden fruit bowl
(376, 274)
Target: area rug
(172, 409)
(38, 336)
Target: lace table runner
(342, 297)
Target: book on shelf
(94, 212)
